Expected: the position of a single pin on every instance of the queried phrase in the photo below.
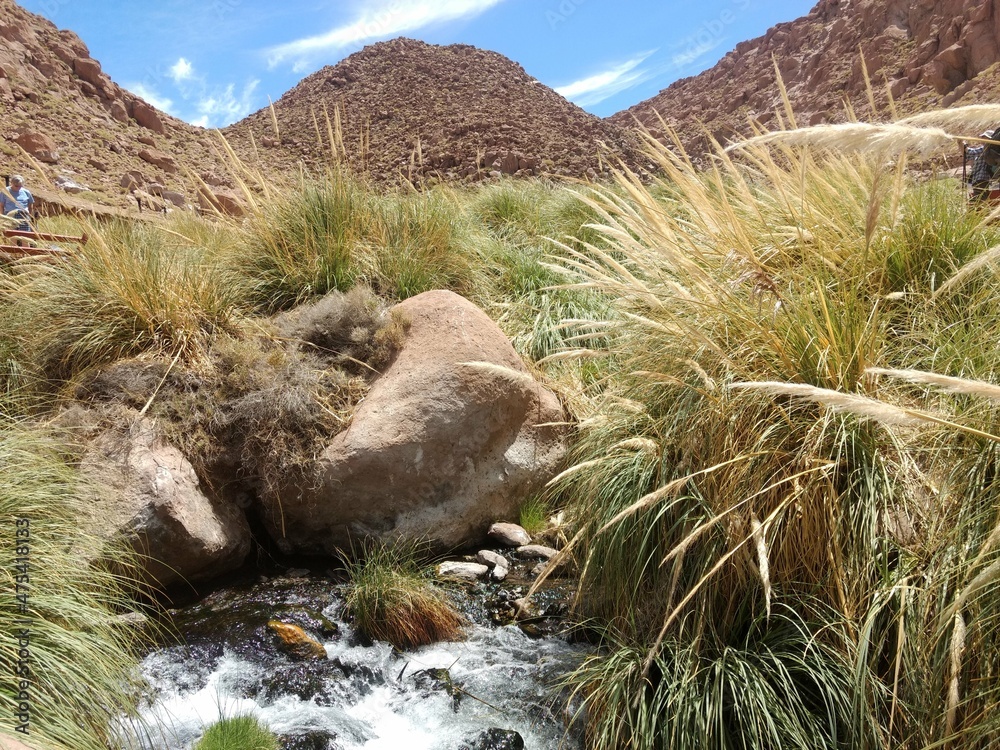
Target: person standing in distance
(16, 202)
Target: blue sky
(212, 62)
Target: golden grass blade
(981, 261)
(945, 382)
(955, 668)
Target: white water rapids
(365, 697)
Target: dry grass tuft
(392, 599)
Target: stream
(466, 695)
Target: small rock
(296, 642)
(158, 159)
(509, 534)
(499, 565)
(529, 551)
(464, 570)
(132, 180)
(172, 196)
(495, 739)
(493, 559)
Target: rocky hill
(71, 129)
(927, 53)
(414, 110)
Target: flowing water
(362, 696)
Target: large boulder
(39, 145)
(453, 436)
(146, 492)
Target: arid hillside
(927, 53)
(71, 129)
(410, 110)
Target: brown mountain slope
(417, 110)
(77, 124)
(929, 53)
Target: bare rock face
(149, 494)
(147, 117)
(440, 447)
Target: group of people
(16, 202)
(985, 164)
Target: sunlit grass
(392, 598)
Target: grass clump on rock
(238, 733)
(391, 598)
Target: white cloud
(383, 19)
(598, 87)
(222, 106)
(181, 70)
(693, 52)
(151, 96)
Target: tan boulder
(39, 145)
(158, 159)
(220, 201)
(147, 493)
(146, 116)
(118, 111)
(452, 437)
(89, 70)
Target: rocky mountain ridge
(71, 129)
(409, 110)
(406, 110)
(923, 54)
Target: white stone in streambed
(538, 551)
(499, 564)
(465, 570)
(510, 534)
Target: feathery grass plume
(971, 118)
(82, 664)
(837, 401)
(757, 528)
(955, 667)
(392, 598)
(978, 263)
(884, 139)
(944, 382)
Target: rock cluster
(453, 435)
